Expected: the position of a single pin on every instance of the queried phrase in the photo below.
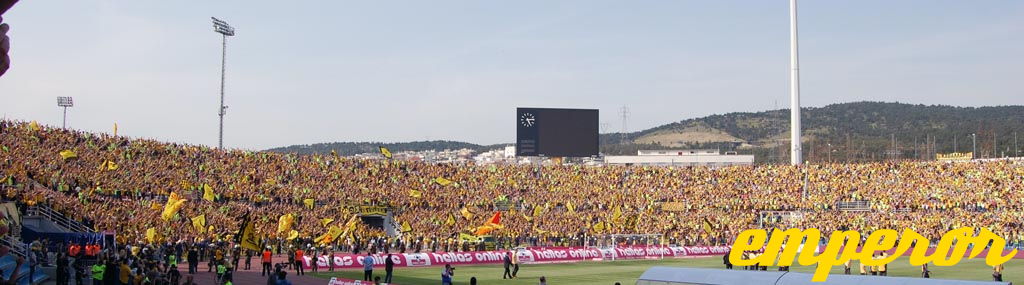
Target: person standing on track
(330, 260)
(193, 260)
(446, 275)
(248, 259)
(508, 265)
(298, 262)
(368, 267)
(515, 265)
(389, 266)
(314, 260)
(266, 262)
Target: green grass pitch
(628, 271)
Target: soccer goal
(608, 245)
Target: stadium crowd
(121, 184)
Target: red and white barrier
(527, 256)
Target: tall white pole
(794, 88)
(223, 62)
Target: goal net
(608, 244)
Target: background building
(689, 157)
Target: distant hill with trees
(857, 131)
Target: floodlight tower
(794, 89)
(65, 102)
(222, 27)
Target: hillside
(857, 131)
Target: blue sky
(322, 71)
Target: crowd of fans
(553, 204)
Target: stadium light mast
(794, 90)
(65, 102)
(222, 27)
(974, 146)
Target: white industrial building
(690, 157)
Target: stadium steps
(58, 219)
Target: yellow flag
(406, 227)
(308, 203)
(208, 193)
(617, 213)
(331, 235)
(450, 221)
(293, 235)
(108, 165)
(151, 235)
(537, 210)
(67, 154)
(599, 226)
(154, 206)
(33, 126)
(199, 222)
(442, 181)
(352, 223)
(468, 237)
(707, 226)
(570, 207)
(326, 221)
(248, 233)
(284, 223)
(415, 193)
(115, 129)
(174, 204)
(466, 213)
(385, 152)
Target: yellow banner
(469, 237)
(673, 207)
(955, 156)
(373, 210)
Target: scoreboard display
(556, 132)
